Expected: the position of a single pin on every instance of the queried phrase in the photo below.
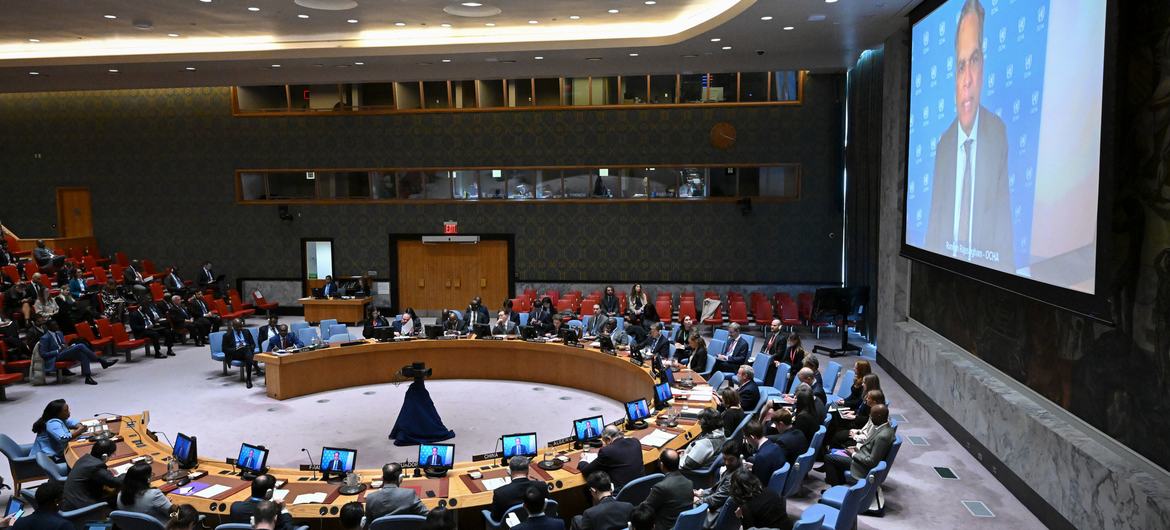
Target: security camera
(759, 52)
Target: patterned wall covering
(160, 165)
(1115, 378)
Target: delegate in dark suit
(659, 347)
(607, 514)
(671, 496)
(542, 522)
(507, 328)
(991, 211)
(621, 459)
(392, 500)
(768, 458)
(242, 511)
(737, 353)
(86, 481)
(749, 395)
(511, 494)
(792, 441)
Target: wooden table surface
(587, 369)
(350, 311)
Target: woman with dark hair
(698, 352)
(636, 306)
(861, 369)
(55, 429)
(439, 518)
(705, 448)
(806, 413)
(138, 496)
(610, 305)
(758, 507)
(183, 517)
(733, 413)
(794, 355)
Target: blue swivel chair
(398, 522)
(636, 491)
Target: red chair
(804, 303)
(665, 313)
(30, 268)
(737, 312)
(99, 275)
(86, 332)
(121, 259)
(76, 253)
(88, 262)
(789, 315)
(763, 312)
(711, 294)
(686, 308)
(564, 305)
(12, 273)
(156, 291)
(239, 305)
(553, 294)
(587, 308)
(717, 318)
(688, 294)
(148, 268)
(13, 366)
(8, 379)
(261, 303)
(122, 340)
(221, 307)
(734, 296)
(116, 271)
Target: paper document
(119, 470)
(213, 490)
(658, 438)
(494, 483)
(688, 411)
(310, 498)
(512, 519)
(588, 457)
(279, 495)
(702, 388)
(696, 396)
(91, 423)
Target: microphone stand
(312, 466)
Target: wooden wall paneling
(74, 212)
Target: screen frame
(1096, 306)
(192, 449)
(450, 446)
(504, 448)
(263, 461)
(644, 403)
(668, 390)
(340, 450)
(598, 417)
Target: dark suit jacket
(992, 209)
(229, 343)
(267, 332)
(669, 497)
(620, 459)
(85, 482)
(138, 323)
(739, 355)
(371, 325)
(393, 501)
(792, 442)
(660, 349)
(512, 494)
(768, 458)
(178, 316)
(874, 450)
(607, 514)
(131, 278)
(242, 511)
(765, 510)
(173, 282)
(542, 522)
(749, 395)
(507, 328)
(206, 277)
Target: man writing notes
(970, 206)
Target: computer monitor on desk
(436, 459)
(433, 331)
(337, 462)
(482, 331)
(528, 332)
(521, 444)
(662, 395)
(588, 430)
(252, 461)
(636, 413)
(186, 451)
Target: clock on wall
(722, 135)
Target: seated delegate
(55, 429)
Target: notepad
(310, 498)
(279, 495)
(512, 519)
(90, 423)
(588, 457)
(119, 470)
(213, 490)
(658, 438)
(494, 483)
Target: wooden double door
(437, 276)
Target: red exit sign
(450, 227)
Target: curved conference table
(303, 373)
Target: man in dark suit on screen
(970, 206)
(434, 459)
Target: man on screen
(518, 447)
(249, 460)
(970, 208)
(588, 432)
(334, 463)
(434, 459)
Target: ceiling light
(190, 68)
(490, 24)
(359, 63)
(727, 47)
(445, 25)
(830, 1)
(471, 4)
(650, 2)
(111, 17)
(172, 34)
(352, 21)
(593, 58)
(539, 57)
(534, 22)
(716, 39)
(690, 56)
(614, 11)
(276, 66)
(205, 1)
(34, 40)
(633, 55)
(34, 73)
(446, 60)
(400, 24)
(112, 70)
(302, 16)
(574, 17)
(765, 18)
(789, 28)
(253, 9)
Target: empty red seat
(788, 314)
(763, 312)
(804, 303)
(222, 308)
(156, 291)
(148, 268)
(116, 271)
(686, 308)
(122, 340)
(13, 365)
(239, 304)
(87, 333)
(664, 311)
(564, 305)
(587, 307)
(7, 379)
(261, 303)
(12, 273)
(30, 268)
(121, 259)
(737, 312)
(99, 275)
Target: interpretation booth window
(318, 259)
(728, 88)
(629, 183)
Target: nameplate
(487, 456)
(230, 461)
(561, 441)
(310, 467)
(618, 423)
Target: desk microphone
(312, 466)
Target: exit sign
(450, 227)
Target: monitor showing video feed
(523, 444)
(186, 451)
(586, 429)
(637, 410)
(436, 455)
(662, 393)
(252, 458)
(337, 460)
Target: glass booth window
(318, 259)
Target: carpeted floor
(188, 393)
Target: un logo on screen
(1011, 70)
(950, 64)
(933, 72)
(1020, 24)
(918, 151)
(918, 216)
(910, 189)
(925, 39)
(1012, 180)
(918, 81)
(1040, 15)
(1035, 99)
(1016, 107)
(1002, 36)
(991, 80)
(925, 180)
(1028, 62)
(940, 105)
(926, 113)
(942, 30)
(1028, 176)
(933, 145)
(1023, 141)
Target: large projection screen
(1004, 141)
